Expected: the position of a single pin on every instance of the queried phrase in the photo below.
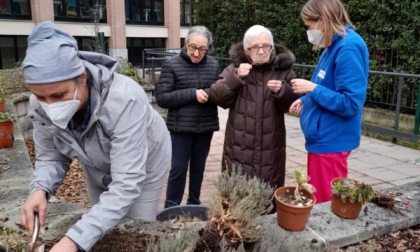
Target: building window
(92, 44)
(144, 12)
(15, 9)
(136, 46)
(186, 12)
(12, 50)
(80, 10)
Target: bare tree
(98, 38)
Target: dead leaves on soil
(401, 240)
(405, 240)
(73, 189)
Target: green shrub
(12, 80)
(127, 69)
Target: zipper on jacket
(200, 86)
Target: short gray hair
(255, 31)
(203, 31)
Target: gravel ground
(73, 190)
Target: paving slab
(359, 165)
(385, 174)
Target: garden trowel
(33, 245)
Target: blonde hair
(333, 15)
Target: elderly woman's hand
(202, 96)
(243, 70)
(274, 85)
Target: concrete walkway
(378, 163)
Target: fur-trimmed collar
(280, 58)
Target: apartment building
(126, 26)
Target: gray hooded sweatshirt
(125, 147)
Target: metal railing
(396, 92)
(152, 60)
(385, 91)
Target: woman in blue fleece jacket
(331, 109)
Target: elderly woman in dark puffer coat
(191, 119)
(255, 87)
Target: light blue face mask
(315, 36)
(61, 112)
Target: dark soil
(288, 197)
(123, 243)
(131, 239)
(209, 240)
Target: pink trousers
(322, 168)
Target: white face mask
(61, 112)
(315, 36)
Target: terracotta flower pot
(290, 217)
(6, 134)
(347, 209)
(2, 105)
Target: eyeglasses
(256, 48)
(193, 48)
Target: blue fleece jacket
(332, 113)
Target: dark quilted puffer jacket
(255, 136)
(176, 91)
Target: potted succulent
(348, 197)
(294, 204)
(6, 129)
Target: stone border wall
(21, 106)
